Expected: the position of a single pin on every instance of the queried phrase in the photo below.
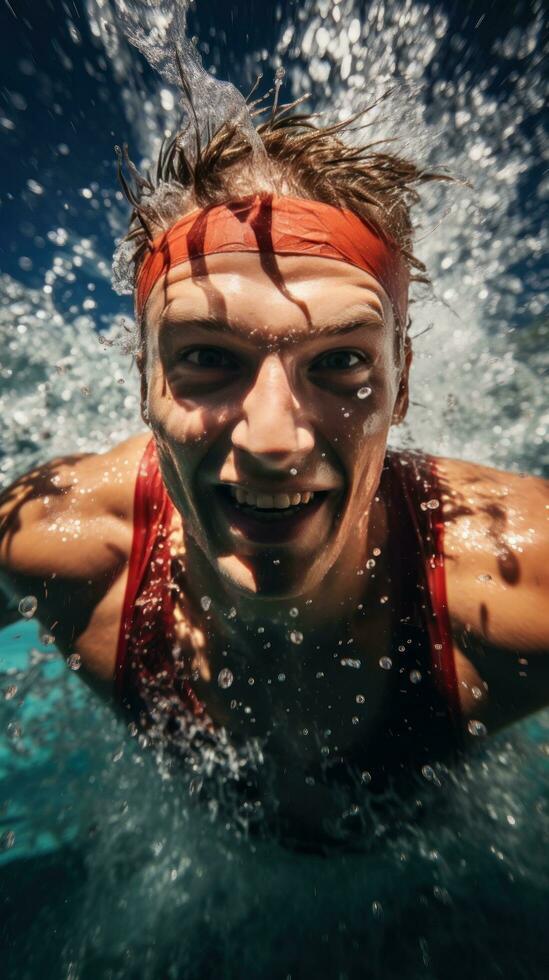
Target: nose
(272, 427)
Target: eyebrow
(355, 318)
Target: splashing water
(153, 886)
(158, 28)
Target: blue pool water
(112, 872)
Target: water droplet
(475, 727)
(294, 612)
(360, 699)
(28, 606)
(205, 602)
(364, 392)
(415, 676)
(376, 552)
(293, 471)
(370, 563)
(402, 649)
(385, 663)
(74, 661)
(383, 599)
(296, 636)
(225, 677)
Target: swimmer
(258, 559)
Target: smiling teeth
(268, 501)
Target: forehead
(276, 295)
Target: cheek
(183, 421)
(355, 422)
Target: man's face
(270, 398)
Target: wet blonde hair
(298, 157)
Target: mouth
(270, 518)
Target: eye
(339, 360)
(213, 358)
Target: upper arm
(65, 535)
(496, 548)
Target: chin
(270, 578)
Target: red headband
(281, 226)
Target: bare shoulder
(496, 544)
(66, 532)
(62, 510)
(496, 514)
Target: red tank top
(151, 676)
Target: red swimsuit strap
(152, 509)
(419, 491)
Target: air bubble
(74, 661)
(205, 602)
(364, 392)
(415, 676)
(10, 692)
(225, 677)
(475, 727)
(296, 637)
(349, 662)
(370, 563)
(294, 612)
(385, 663)
(28, 606)
(7, 840)
(360, 699)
